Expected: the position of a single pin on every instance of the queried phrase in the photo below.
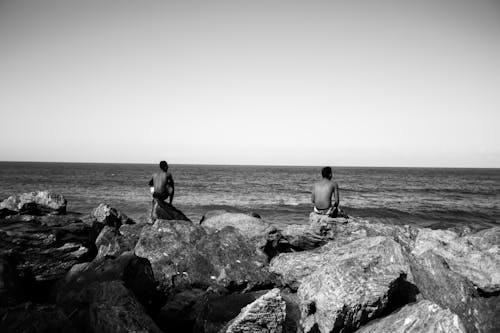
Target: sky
(341, 83)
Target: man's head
(326, 172)
(164, 166)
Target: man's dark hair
(164, 165)
(326, 172)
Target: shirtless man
(322, 192)
(163, 184)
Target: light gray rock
(476, 257)
(340, 287)
(35, 202)
(422, 317)
(107, 215)
(264, 315)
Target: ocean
(430, 197)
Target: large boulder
(113, 308)
(34, 318)
(248, 225)
(112, 242)
(476, 257)
(46, 247)
(107, 215)
(421, 317)
(35, 202)
(135, 272)
(341, 286)
(438, 283)
(264, 315)
(183, 254)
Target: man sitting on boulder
(162, 184)
(321, 195)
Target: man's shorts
(332, 211)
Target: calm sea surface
(432, 197)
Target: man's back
(322, 193)
(161, 182)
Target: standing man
(163, 184)
(322, 193)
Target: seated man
(322, 192)
(163, 184)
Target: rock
(315, 218)
(34, 318)
(183, 254)
(4, 212)
(475, 257)
(422, 317)
(47, 247)
(438, 283)
(265, 315)
(113, 308)
(162, 210)
(41, 201)
(112, 242)
(179, 313)
(107, 215)
(11, 291)
(341, 286)
(135, 272)
(248, 225)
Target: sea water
(432, 197)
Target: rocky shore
(233, 272)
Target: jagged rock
(34, 318)
(476, 257)
(113, 308)
(162, 210)
(184, 254)
(264, 315)
(47, 247)
(438, 283)
(112, 242)
(341, 286)
(11, 291)
(422, 317)
(110, 216)
(35, 202)
(4, 212)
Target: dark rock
(183, 254)
(135, 272)
(47, 247)
(112, 242)
(264, 315)
(43, 201)
(342, 286)
(4, 212)
(421, 317)
(179, 313)
(11, 291)
(162, 210)
(438, 283)
(113, 308)
(34, 318)
(107, 215)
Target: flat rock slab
(35, 202)
(422, 317)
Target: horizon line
(264, 165)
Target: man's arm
(151, 183)
(336, 194)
